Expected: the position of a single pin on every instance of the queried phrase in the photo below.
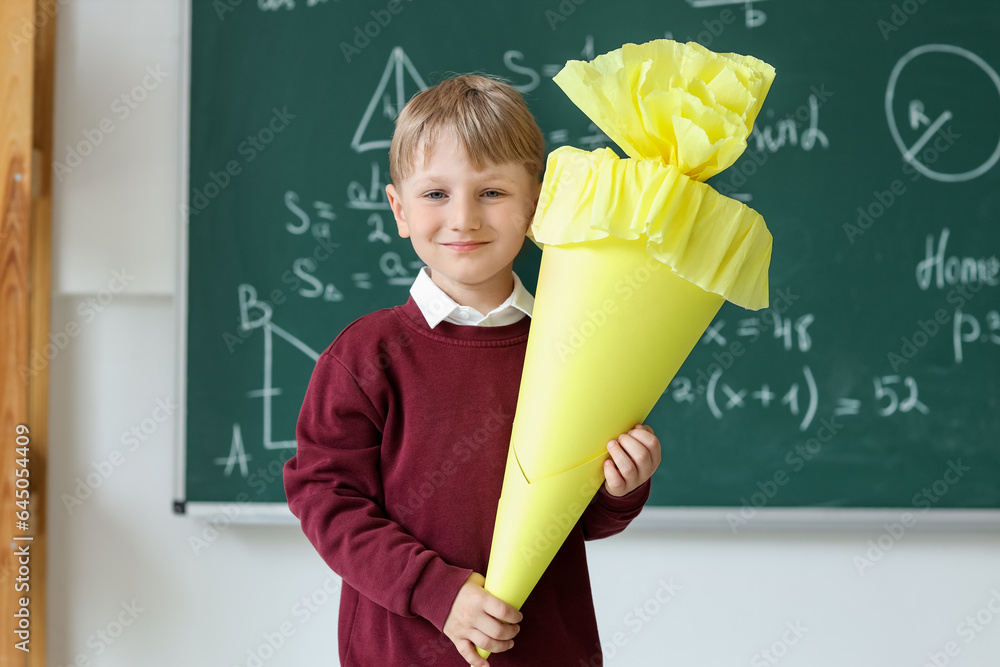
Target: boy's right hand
(478, 618)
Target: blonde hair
(488, 115)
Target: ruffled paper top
(680, 103)
(717, 243)
(683, 114)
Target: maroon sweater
(402, 442)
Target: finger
(651, 442)
(468, 651)
(500, 610)
(638, 452)
(612, 479)
(495, 629)
(656, 453)
(648, 437)
(643, 434)
(507, 631)
(621, 457)
(489, 643)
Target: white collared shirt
(438, 307)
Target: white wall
(735, 594)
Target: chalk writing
(916, 111)
(967, 329)
(941, 270)
(371, 197)
(754, 18)
(391, 95)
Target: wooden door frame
(27, 39)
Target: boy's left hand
(634, 457)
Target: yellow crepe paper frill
(715, 242)
(683, 113)
(679, 103)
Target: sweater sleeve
(609, 515)
(334, 487)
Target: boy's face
(466, 225)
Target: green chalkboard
(872, 381)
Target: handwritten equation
(712, 386)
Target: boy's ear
(396, 204)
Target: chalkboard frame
(181, 289)
(652, 518)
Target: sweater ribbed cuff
(633, 500)
(435, 591)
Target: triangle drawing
(388, 99)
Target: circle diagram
(919, 120)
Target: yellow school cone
(638, 257)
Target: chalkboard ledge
(736, 520)
(237, 513)
(733, 520)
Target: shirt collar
(437, 307)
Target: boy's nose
(465, 215)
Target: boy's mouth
(465, 246)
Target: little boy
(403, 434)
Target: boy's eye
(435, 194)
(492, 194)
